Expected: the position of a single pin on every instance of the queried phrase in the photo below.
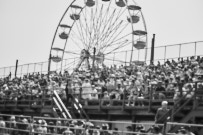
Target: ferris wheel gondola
(94, 30)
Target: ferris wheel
(96, 32)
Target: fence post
(34, 67)
(41, 67)
(4, 71)
(150, 97)
(165, 55)
(179, 50)
(28, 69)
(194, 97)
(195, 48)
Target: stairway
(60, 109)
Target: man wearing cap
(161, 112)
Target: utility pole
(16, 69)
(152, 50)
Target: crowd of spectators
(129, 82)
(172, 79)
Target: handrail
(62, 104)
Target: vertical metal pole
(165, 55)
(49, 65)
(195, 48)
(34, 66)
(10, 72)
(28, 69)
(152, 49)
(125, 57)
(93, 59)
(4, 71)
(41, 67)
(179, 50)
(16, 69)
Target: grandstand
(124, 96)
(102, 78)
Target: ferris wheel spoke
(84, 32)
(111, 24)
(72, 63)
(115, 37)
(107, 36)
(75, 43)
(105, 25)
(70, 52)
(76, 36)
(119, 47)
(80, 32)
(88, 32)
(95, 27)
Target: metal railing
(162, 53)
(29, 125)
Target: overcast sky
(27, 26)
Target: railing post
(123, 105)
(165, 55)
(34, 67)
(28, 69)
(195, 48)
(21, 71)
(195, 97)
(179, 50)
(125, 57)
(4, 71)
(150, 98)
(41, 67)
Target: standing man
(161, 112)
